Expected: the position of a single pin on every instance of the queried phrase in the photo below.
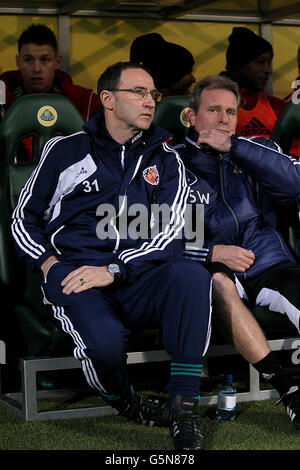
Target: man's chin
(37, 88)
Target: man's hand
(235, 257)
(85, 278)
(217, 139)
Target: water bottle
(226, 400)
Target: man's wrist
(46, 264)
(115, 270)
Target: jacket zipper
(225, 201)
(224, 197)
(122, 157)
(123, 205)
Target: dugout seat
(286, 133)
(171, 114)
(38, 117)
(287, 126)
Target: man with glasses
(104, 278)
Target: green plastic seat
(171, 114)
(285, 130)
(287, 126)
(29, 327)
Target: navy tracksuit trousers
(175, 296)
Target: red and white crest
(151, 175)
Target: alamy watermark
(138, 222)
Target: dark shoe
(184, 429)
(291, 401)
(147, 411)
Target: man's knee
(222, 284)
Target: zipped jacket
(238, 190)
(83, 200)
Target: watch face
(113, 268)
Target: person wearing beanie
(169, 64)
(248, 62)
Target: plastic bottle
(226, 400)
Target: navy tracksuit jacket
(59, 212)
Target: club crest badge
(184, 117)
(237, 170)
(47, 116)
(151, 175)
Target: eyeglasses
(141, 93)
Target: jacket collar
(96, 127)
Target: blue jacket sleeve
(28, 218)
(278, 174)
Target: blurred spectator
(169, 64)
(38, 71)
(248, 62)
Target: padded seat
(171, 114)
(29, 326)
(287, 126)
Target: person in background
(38, 63)
(248, 63)
(170, 65)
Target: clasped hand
(217, 139)
(235, 257)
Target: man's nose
(37, 66)
(267, 68)
(192, 78)
(149, 101)
(223, 116)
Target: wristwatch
(115, 270)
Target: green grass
(258, 426)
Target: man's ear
(191, 117)
(107, 99)
(58, 60)
(18, 61)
